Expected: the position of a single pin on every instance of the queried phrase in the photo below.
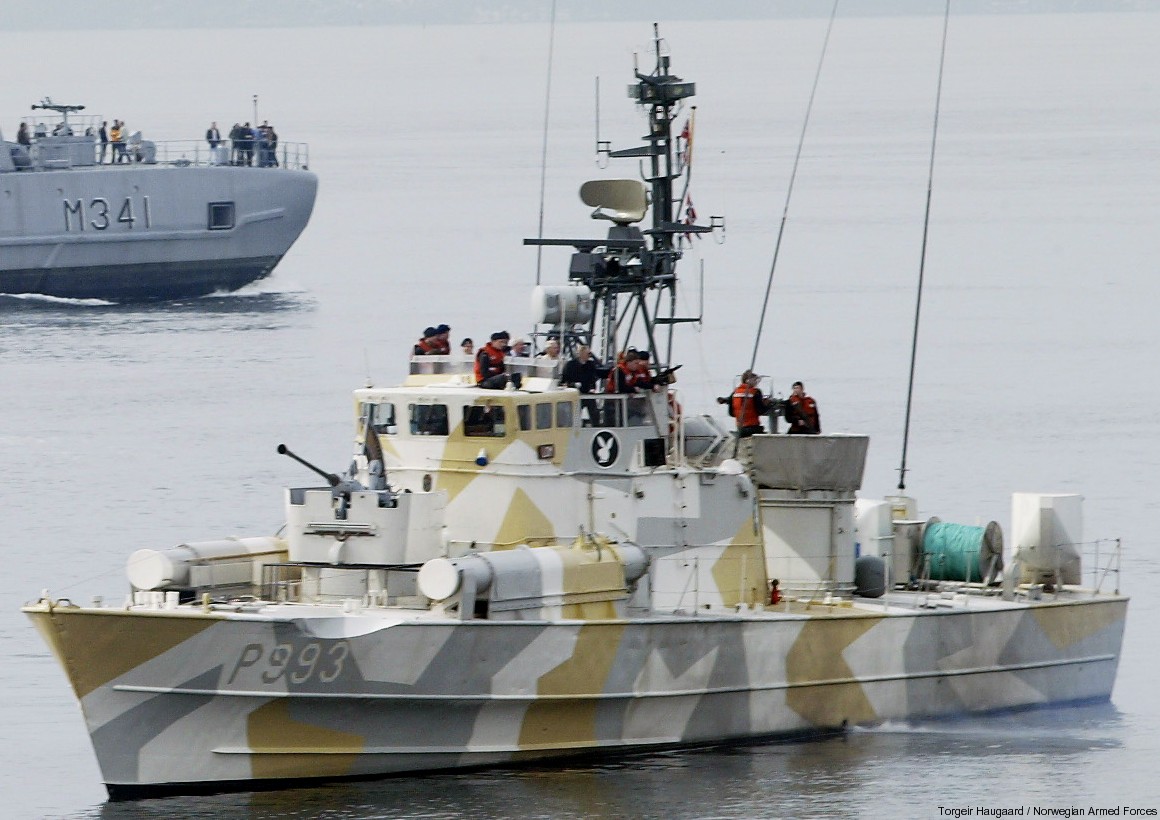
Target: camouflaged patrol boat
(515, 575)
(146, 220)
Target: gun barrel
(331, 478)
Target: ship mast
(632, 272)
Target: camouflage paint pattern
(293, 691)
(575, 657)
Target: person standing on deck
(630, 375)
(236, 145)
(117, 137)
(801, 412)
(747, 405)
(582, 372)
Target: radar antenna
(632, 272)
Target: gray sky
(94, 14)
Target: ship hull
(139, 283)
(193, 702)
(147, 232)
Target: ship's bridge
(439, 423)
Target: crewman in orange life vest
(747, 405)
(441, 342)
(490, 370)
(630, 374)
(426, 344)
(801, 411)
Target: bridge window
(381, 416)
(428, 419)
(483, 420)
(618, 411)
(564, 414)
(543, 415)
(609, 412)
(524, 411)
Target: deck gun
(340, 488)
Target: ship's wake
(263, 287)
(52, 300)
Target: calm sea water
(131, 427)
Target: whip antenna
(544, 152)
(789, 190)
(922, 257)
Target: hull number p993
(296, 664)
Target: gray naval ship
(531, 573)
(144, 220)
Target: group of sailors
(125, 147)
(62, 129)
(748, 404)
(631, 373)
(435, 341)
(245, 141)
(585, 372)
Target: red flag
(690, 215)
(685, 145)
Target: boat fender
(481, 457)
(869, 576)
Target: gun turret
(331, 478)
(340, 488)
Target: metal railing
(299, 582)
(293, 156)
(1106, 562)
(1100, 560)
(53, 153)
(693, 583)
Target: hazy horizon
(51, 15)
